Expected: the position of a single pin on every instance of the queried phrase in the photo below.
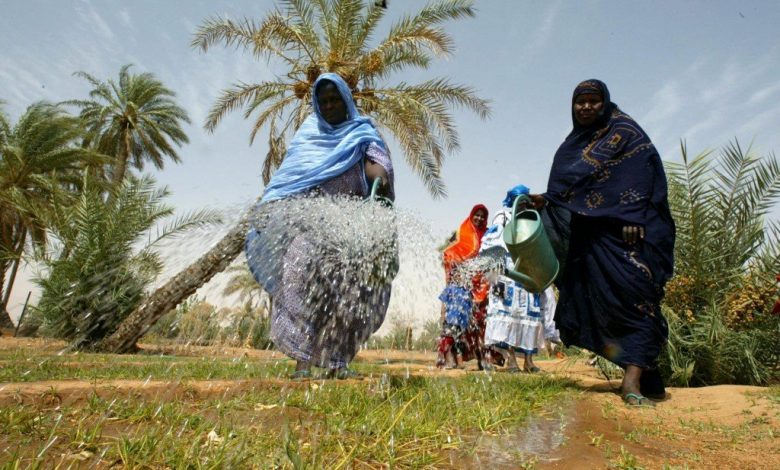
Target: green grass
(404, 422)
(773, 393)
(24, 366)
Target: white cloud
(761, 123)
(89, 15)
(705, 122)
(124, 17)
(667, 102)
(545, 30)
(727, 82)
(764, 93)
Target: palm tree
(720, 207)
(727, 254)
(253, 318)
(309, 37)
(173, 292)
(39, 165)
(244, 283)
(133, 120)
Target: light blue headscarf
(513, 193)
(320, 151)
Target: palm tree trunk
(120, 167)
(176, 290)
(5, 317)
(12, 278)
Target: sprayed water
(359, 249)
(369, 241)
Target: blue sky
(703, 71)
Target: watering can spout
(535, 264)
(527, 282)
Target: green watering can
(535, 263)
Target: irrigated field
(235, 408)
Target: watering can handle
(521, 198)
(374, 196)
(378, 182)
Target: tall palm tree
(309, 37)
(314, 36)
(134, 120)
(39, 164)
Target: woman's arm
(377, 164)
(375, 170)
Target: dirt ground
(726, 426)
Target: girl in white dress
(515, 317)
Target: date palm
(39, 164)
(244, 284)
(310, 37)
(100, 275)
(306, 38)
(727, 255)
(134, 119)
(720, 205)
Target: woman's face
(332, 107)
(587, 108)
(479, 218)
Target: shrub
(98, 277)
(718, 304)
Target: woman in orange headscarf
(465, 246)
(467, 239)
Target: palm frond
(240, 95)
(313, 36)
(185, 222)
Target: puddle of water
(535, 441)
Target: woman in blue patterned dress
(608, 216)
(335, 152)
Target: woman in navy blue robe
(607, 213)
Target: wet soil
(726, 426)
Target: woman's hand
(375, 170)
(538, 201)
(633, 233)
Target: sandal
(303, 374)
(636, 400)
(532, 370)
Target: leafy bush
(706, 351)
(98, 277)
(250, 327)
(718, 304)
